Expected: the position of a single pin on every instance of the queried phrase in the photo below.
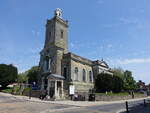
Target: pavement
(22, 104)
(138, 108)
(74, 103)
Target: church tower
(56, 31)
(55, 44)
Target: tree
(103, 82)
(33, 74)
(8, 74)
(118, 72)
(129, 82)
(117, 84)
(22, 77)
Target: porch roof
(55, 76)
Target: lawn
(7, 90)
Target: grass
(14, 90)
(26, 90)
(7, 90)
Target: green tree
(117, 84)
(129, 82)
(118, 72)
(8, 74)
(33, 74)
(22, 77)
(103, 82)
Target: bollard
(30, 91)
(144, 103)
(127, 109)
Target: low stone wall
(34, 93)
(113, 98)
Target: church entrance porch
(55, 87)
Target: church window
(62, 33)
(65, 72)
(90, 76)
(76, 73)
(47, 63)
(49, 35)
(45, 83)
(84, 75)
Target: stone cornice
(57, 19)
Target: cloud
(72, 45)
(35, 33)
(134, 61)
(124, 20)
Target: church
(63, 73)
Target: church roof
(85, 60)
(101, 63)
(78, 58)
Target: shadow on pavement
(139, 108)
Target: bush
(16, 90)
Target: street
(11, 104)
(14, 105)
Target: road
(10, 104)
(13, 105)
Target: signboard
(71, 89)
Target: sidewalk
(142, 110)
(137, 109)
(74, 103)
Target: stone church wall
(80, 85)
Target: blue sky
(116, 30)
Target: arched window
(62, 33)
(76, 73)
(47, 63)
(90, 76)
(49, 35)
(84, 75)
(65, 72)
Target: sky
(117, 31)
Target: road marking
(58, 110)
(121, 110)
